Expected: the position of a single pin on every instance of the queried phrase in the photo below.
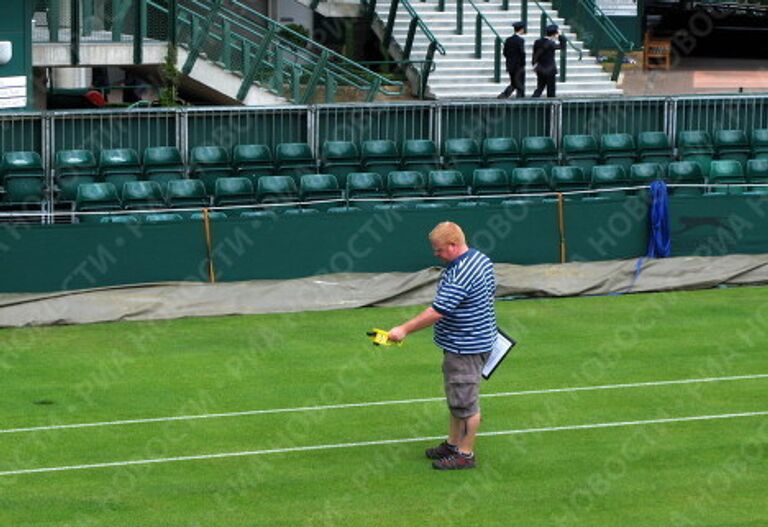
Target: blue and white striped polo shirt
(465, 299)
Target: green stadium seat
(757, 172)
(759, 143)
(654, 147)
(294, 159)
(119, 218)
(93, 197)
(581, 151)
(406, 184)
(23, 178)
(209, 163)
(529, 180)
(726, 172)
(259, 214)
(213, 215)
(540, 151)
(162, 217)
(324, 188)
(380, 156)
(618, 149)
(462, 154)
(186, 193)
(605, 177)
(252, 161)
(277, 189)
(142, 195)
(645, 173)
(162, 164)
(696, 146)
(420, 155)
(368, 186)
(300, 212)
(71, 169)
(568, 178)
(685, 173)
(344, 210)
(732, 144)
(233, 191)
(340, 158)
(119, 165)
(490, 181)
(447, 183)
(501, 152)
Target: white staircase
(458, 74)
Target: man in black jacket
(514, 53)
(544, 60)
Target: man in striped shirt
(465, 329)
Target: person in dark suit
(514, 53)
(544, 60)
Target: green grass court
(280, 412)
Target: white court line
(379, 403)
(309, 448)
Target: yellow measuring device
(379, 337)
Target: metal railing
(271, 54)
(185, 128)
(416, 22)
(481, 19)
(597, 30)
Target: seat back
(365, 185)
(186, 193)
(406, 183)
(21, 162)
(609, 176)
(208, 156)
(759, 143)
(276, 189)
(644, 173)
(538, 147)
(446, 183)
(97, 196)
(142, 194)
(161, 157)
(461, 148)
(340, 151)
(565, 178)
(580, 146)
(233, 191)
(653, 142)
(320, 187)
(118, 159)
(726, 172)
(487, 181)
(695, 141)
(75, 160)
(685, 172)
(244, 156)
(530, 179)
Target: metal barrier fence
(186, 128)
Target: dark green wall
(66, 257)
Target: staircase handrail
(598, 17)
(265, 38)
(416, 23)
(308, 41)
(481, 19)
(546, 16)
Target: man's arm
(424, 319)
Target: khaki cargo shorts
(461, 377)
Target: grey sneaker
(456, 461)
(442, 450)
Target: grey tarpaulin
(338, 291)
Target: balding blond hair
(448, 232)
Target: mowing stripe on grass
(589, 426)
(379, 403)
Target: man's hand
(397, 334)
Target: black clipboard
(501, 348)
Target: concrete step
(458, 74)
